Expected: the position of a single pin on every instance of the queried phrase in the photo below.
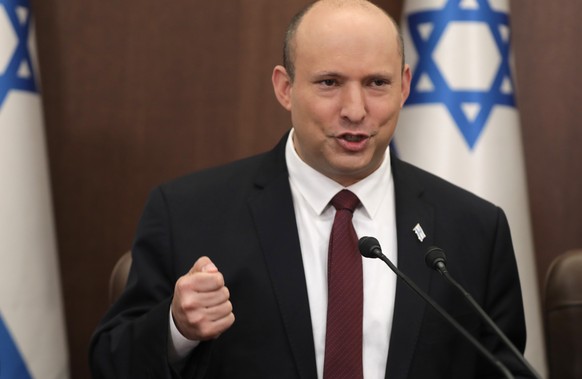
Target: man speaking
(251, 270)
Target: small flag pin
(419, 232)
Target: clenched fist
(201, 307)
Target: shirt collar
(317, 189)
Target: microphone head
(434, 256)
(369, 247)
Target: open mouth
(353, 137)
(353, 142)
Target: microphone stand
(435, 259)
(377, 253)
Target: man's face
(347, 92)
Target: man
(250, 239)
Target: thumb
(203, 264)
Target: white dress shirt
(312, 192)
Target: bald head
(290, 43)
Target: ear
(405, 89)
(282, 86)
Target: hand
(201, 307)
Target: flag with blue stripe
(32, 329)
(12, 365)
(461, 120)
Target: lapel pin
(419, 232)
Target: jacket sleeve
(131, 341)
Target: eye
(328, 82)
(379, 83)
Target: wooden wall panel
(546, 36)
(138, 92)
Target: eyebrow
(333, 74)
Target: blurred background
(138, 92)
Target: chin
(350, 175)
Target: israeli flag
(461, 121)
(32, 330)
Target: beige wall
(137, 92)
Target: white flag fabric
(462, 124)
(32, 330)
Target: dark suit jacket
(241, 216)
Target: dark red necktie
(343, 339)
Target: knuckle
(219, 281)
(226, 292)
(180, 285)
(195, 302)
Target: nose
(353, 107)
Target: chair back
(118, 278)
(563, 316)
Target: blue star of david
(10, 79)
(454, 10)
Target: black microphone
(370, 248)
(436, 259)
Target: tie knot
(345, 199)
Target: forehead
(354, 32)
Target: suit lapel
(274, 217)
(409, 307)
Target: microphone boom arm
(439, 265)
(374, 251)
